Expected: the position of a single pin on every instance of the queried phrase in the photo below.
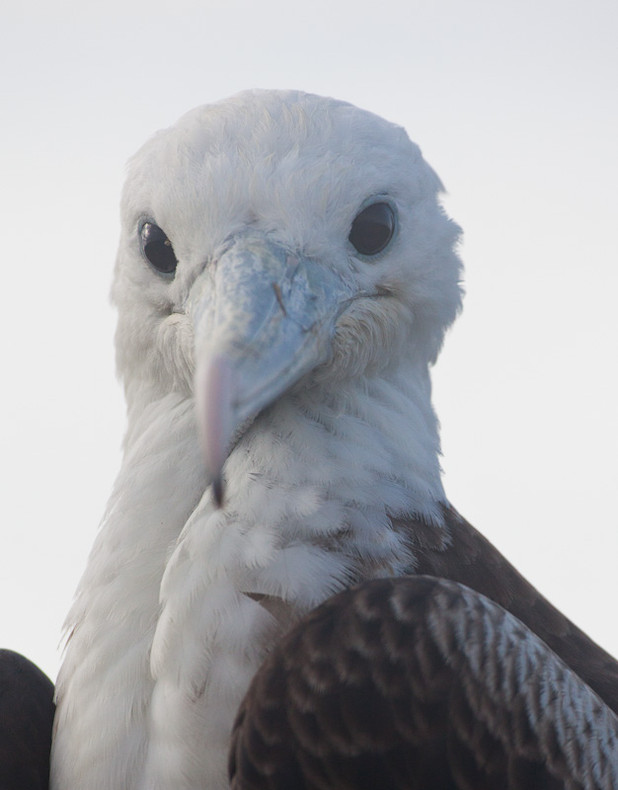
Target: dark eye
(157, 248)
(373, 228)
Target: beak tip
(218, 491)
(214, 395)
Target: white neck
(169, 623)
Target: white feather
(167, 628)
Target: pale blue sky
(514, 104)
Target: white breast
(178, 605)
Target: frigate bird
(284, 280)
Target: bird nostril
(278, 294)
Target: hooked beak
(263, 318)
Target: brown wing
(421, 683)
(465, 556)
(26, 717)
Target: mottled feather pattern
(421, 683)
(459, 552)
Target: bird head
(274, 241)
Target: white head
(303, 240)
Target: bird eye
(373, 228)
(157, 248)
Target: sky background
(515, 105)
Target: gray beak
(263, 318)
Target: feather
(26, 716)
(419, 682)
(284, 280)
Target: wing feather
(467, 557)
(420, 682)
(26, 716)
